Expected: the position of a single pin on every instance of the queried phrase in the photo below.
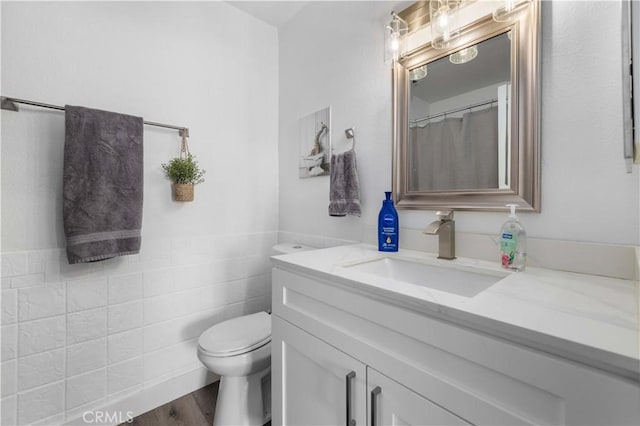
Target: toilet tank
(288, 248)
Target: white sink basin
(450, 280)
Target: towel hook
(350, 134)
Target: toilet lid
(237, 335)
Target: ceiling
(276, 13)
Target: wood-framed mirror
(466, 132)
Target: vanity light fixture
(444, 28)
(464, 55)
(395, 32)
(418, 73)
(510, 10)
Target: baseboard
(125, 409)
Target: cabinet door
(313, 382)
(390, 403)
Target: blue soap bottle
(388, 225)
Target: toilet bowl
(239, 351)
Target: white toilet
(239, 351)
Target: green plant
(184, 170)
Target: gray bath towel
(102, 187)
(344, 192)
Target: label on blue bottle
(389, 233)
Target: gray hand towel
(344, 192)
(103, 184)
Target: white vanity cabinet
(320, 384)
(417, 368)
(324, 386)
(390, 403)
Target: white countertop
(587, 318)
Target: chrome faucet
(445, 228)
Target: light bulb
(443, 20)
(464, 55)
(418, 73)
(444, 23)
(510, 10)
(508, 5)
(395, 43)
(395, 31)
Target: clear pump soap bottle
(513, 242)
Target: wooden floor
(194, 409)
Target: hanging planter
(184, 172)
(182, 191)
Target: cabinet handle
(348, 379)
(374, 409)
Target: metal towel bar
(10, 105)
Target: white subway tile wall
(85, 388)
(8, 377)
(40, 369)
(9, 307)
(75, 337)
(127, 345)
(40, 403)
(86, 356)
(125, 288)
(86, 325)
(125, 375)
(41, 335)
(9, 338)
(86, 294)
(9, 410)
(41, 301)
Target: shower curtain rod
(453, 111)
(10, 105)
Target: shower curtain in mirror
(455, 153)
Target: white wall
(76, 337)
(342, 65)
(586, 194)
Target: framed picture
(314, 135)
